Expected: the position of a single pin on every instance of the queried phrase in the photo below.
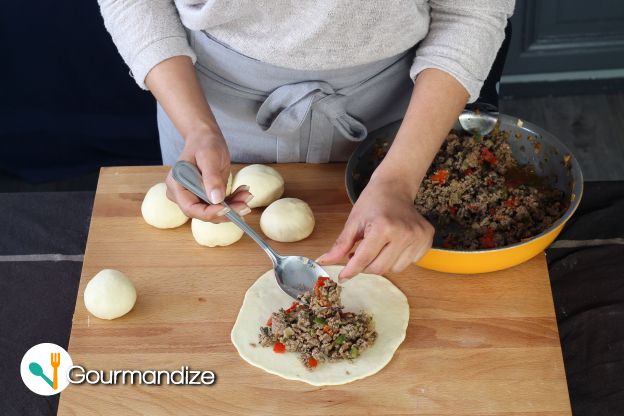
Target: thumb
(214, 175)
(344, 243)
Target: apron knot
(284, 111)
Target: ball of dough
(159, 211)
(109, 294)
(265, 184)
(228, 188)
(212, 235)
(287, 220)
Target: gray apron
(274, 114)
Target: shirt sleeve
(146, 32)
(463, 40)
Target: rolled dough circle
(265, 184)
(159, 211)
(212, 235)
(109, 294)
(373, 294)
(287, 220)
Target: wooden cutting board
(476, 345)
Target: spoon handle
(35, 371)
(187, 175)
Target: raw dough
(212, 235)
(371, 293)
(159, 211)
(287, 220)
(109, 294)
(265, 184)
(228, 187)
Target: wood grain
(476, 345)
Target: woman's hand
(210, 153)
(176, 87)
(393, 234)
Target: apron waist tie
(284, 111)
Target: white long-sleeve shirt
(460, 37)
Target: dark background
(68, 103)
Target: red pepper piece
(487, 156)
(453, 210)
(279, 348)
(440, 176)
(312, 362)
(292, 307)
(269, 322)
(468, 172)
(511, 202)
(320, 282)
(328, 330)
(487, 240)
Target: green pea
(354, 353)
(340, 339)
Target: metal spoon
(479, 118)
(295, 274)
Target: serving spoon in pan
(479, 118)
(295, 274)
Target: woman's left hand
(393, 234)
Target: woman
(304, 81)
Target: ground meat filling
(318, 329)
(479, 197)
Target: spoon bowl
(36, 369)
(479, 118)
(297, 274)
(294, 274)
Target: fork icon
(55, 361)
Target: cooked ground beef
(479, 197)
(318, 329)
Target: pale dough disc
(373, 294)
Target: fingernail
(245, 187)
(249, 198)
(223, 212)
(319, 259)
(244, 211)
(216, 196)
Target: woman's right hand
(209, 152)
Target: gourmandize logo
(44, 369)
(55, 361)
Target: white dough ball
(265, 184)
(109, 294)
(287, 220)
(228, 188)
(159, 211)
(212, 235)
